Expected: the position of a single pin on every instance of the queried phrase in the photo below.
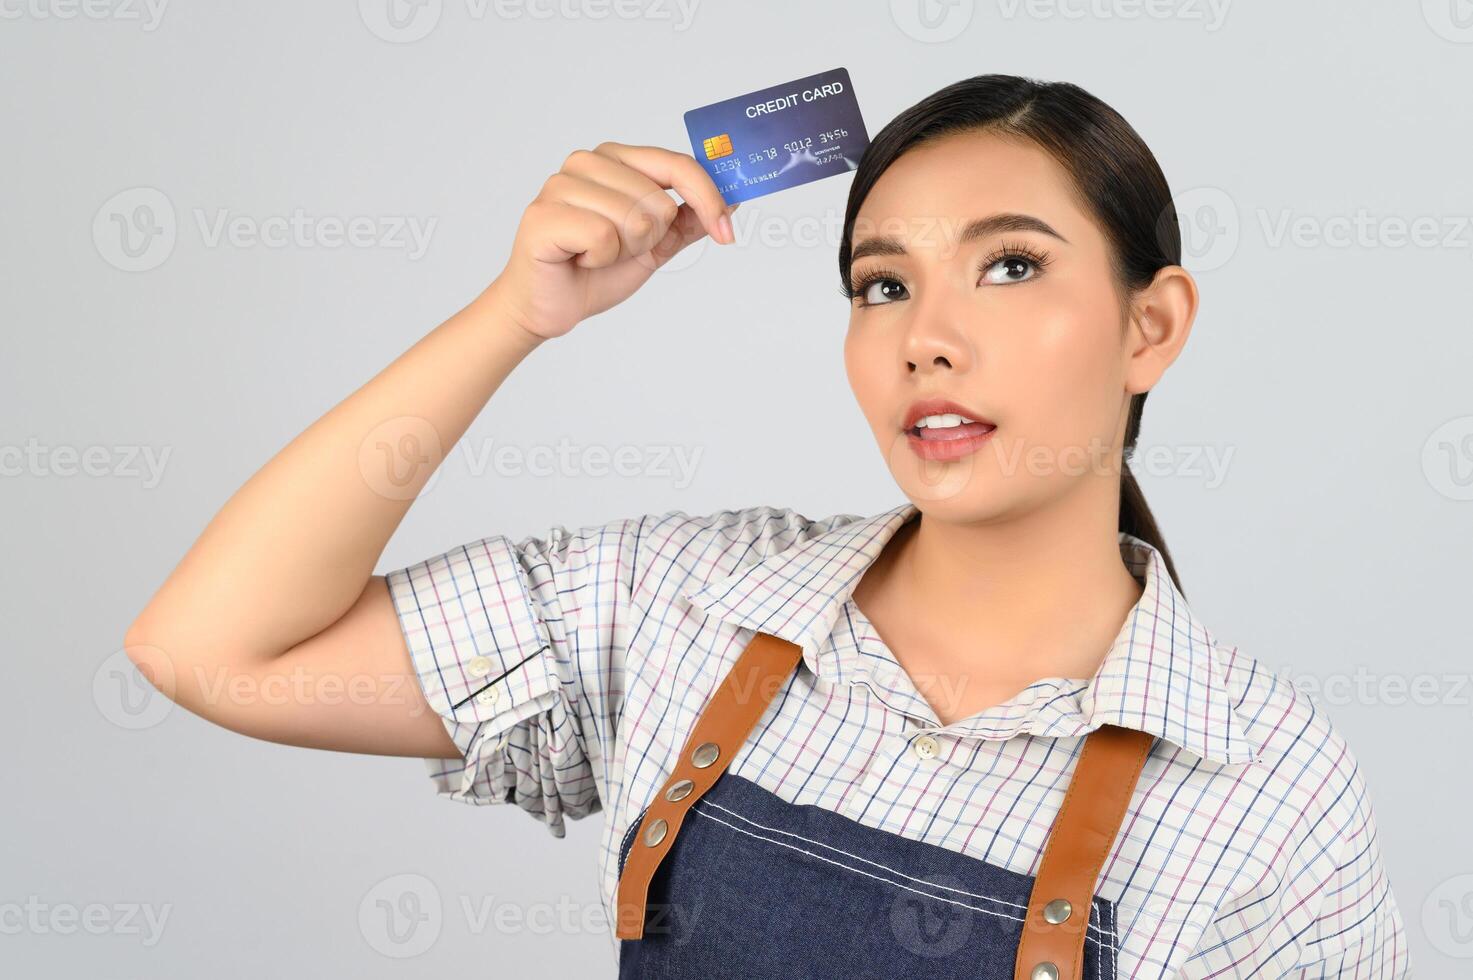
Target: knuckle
(577, 158)
(666, 208)
(606, 233)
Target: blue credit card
(779, 137)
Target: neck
(1045, 592)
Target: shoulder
(1305, 767)
(693, 549)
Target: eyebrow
(977, 228)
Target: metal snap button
(705, 754)
(479, 666)
(1045, 971)
(679, 790)
(926, 747)
(655, 832)
(1057, 911)
(488, 696)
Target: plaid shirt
(570, 668)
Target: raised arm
(273, 623)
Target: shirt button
(479, 666)
(488, 696)
(925, 747)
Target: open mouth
(948, 428)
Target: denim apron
(722, 878)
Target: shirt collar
(1162, 674)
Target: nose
(935, 341)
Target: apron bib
(722, 878)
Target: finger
(602, 169)
(565, 231)
(679, 171)
(684, 230)
(640, 223)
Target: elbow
(148, 650)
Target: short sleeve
(519, 646)
(1355, 927)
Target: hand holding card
(599, 229)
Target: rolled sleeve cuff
(478, 645)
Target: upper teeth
(941, 421)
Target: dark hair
(1114, 175)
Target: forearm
(294, 547)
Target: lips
(946, 443)
(944, 406)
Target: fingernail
(723, 225)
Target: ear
(1161, 317)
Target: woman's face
(1019, 324)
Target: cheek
(864, 365)
(1064, 366)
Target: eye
(1012, 264)
(1014, 269)
(877, 288)
(880, 291)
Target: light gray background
(1334, 371)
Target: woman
(849, 746)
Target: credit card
(779, 137)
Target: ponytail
(1135, 515)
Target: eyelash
(1006, 250)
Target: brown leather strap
(1084, 830)
(723, 727)
(1052, 947)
